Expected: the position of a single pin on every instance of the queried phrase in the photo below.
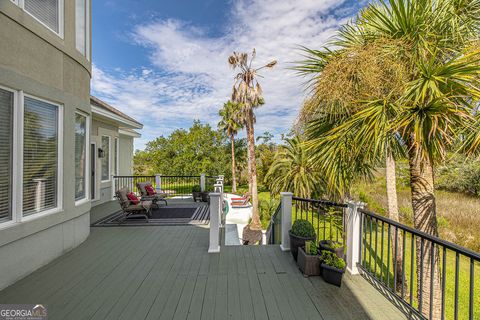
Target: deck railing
(441, 285)
(173, 186)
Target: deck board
(165, 272)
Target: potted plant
(302, 230)
(308, 259)
(333, 219)
(196, 192)
(333, 268)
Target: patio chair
(245, 203)
(155, 198)
(131, 210)
(245, 196)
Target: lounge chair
(155, 198)
(131, 210)
(245, 203)
(245, 196)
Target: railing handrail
(449, 245)
(321, 201)
(135, 176)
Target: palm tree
(231, 124)
(435, 41)
(248, 92)
(292, 170)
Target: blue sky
(165, 62)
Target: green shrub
(331, 259)
(303, 228)
(196, 188)
(311, 248)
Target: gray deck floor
(166, 273)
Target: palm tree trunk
(425, 219)
(234, 180)
(255, 224)
(392, 204)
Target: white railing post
(202, 182)
(214, 245)
(218, 187)
(286, 206)
(353, 236)
(113, 187)
(158, 182)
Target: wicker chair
(131, 210)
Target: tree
(231, 124)
(435, 41)
(248, 93)
(292, 170)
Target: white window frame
(61, 17)
(60, 133)
(88, 171)
(87, 31)
(17, 157)
(109, 158)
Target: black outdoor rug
(163, 216)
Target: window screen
(46, 11)
(6, 136)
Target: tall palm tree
(231, 124)
(292, 170)
(248, 92)
(436, 41)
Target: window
(80, 156)
(40, 156)
(6, 150)
(105, 160)
(82, 32)
(48, 12)
(116, 158)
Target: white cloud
(190, 78)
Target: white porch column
(353, 217)
(214, 245)
(202, 182)
(158, 182)
(218, 187)
(286, 206)
(113, 187)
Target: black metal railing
(327, 217)
(173, 186)
(274, 230)
(209, 182)
(430, 277)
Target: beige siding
(126, 155)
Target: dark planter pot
(332, 275)
(296, 242)
(326, 245)
(196, 196)
(308, 264)
(205, 196)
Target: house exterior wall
(38, 62)
(126, 155)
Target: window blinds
(6, 136)
(40, 156)
(46, 11)
(80, 26)
(80, 155)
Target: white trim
(130, 133)
(109, 158)
(61, 18)
(18, 156)
(87, 159)
(115, 117)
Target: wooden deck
(166, 273)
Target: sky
(165, 62)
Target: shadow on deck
(166, 273)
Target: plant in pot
(308, 259)
(333, 268)
(196, 192)
(302, 231)
(334, 220)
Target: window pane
(106, 158)
(115, 157)
(40, 156)
(45, 11)
(6, 129)
(80, 155)
(80, 25)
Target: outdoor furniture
(245, 196)
(155, 198)
(130, 210)
(241, 203)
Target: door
(93, 162)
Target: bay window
(105, 160)
(6, 151)
(81, 132)
(48, 12)
(40, 156)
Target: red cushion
(133, 198)
(150, 190)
